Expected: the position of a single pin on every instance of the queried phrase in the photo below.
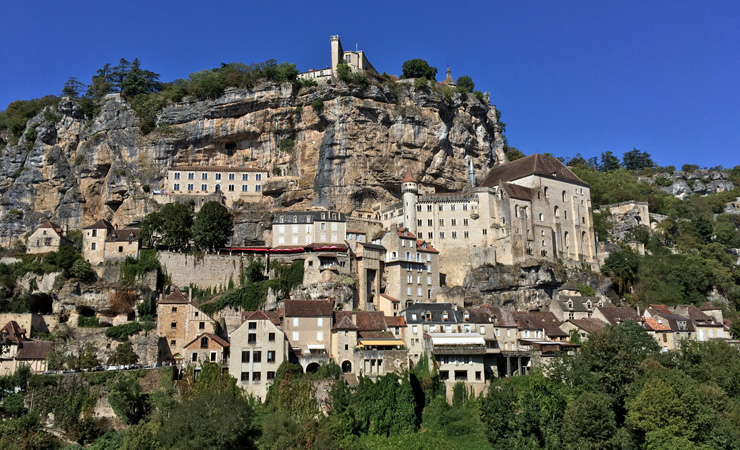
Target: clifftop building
(356, 60)
(533, 208)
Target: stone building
(258, 347)
(303, 228)
(533, 208)
(179, 322)
(356, 60)
(49, 237)
(207, 347)
(574, 307)
(102, 242)
(307, 327)
(410, 266)
(423, 318)
(235, 183)
(362, 343)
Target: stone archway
(312, 368)
(346, 367)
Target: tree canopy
(418, 68)
(212, 227)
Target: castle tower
(409, 190)
(337, 54)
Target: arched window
(539, 195)
(547, 192)
(566, 239)
(583, 237)
(557, 212)
(564, 197)
(542, 217)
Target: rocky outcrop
(350, 150)
(700, 182)
(341, 295)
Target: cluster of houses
(470, 344)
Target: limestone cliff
(342, 147)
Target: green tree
(210, 420)
(637, 160)
(589, 422)
(89, 357)
(417, 68)
(609, 162)
(213, 226)
(172, 224)
(81, 269)
(73, 88)
(124, 355)
(465, 84)
(139, 81)
(622, 267)
(128, 402)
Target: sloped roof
(708, 306)
(376, 335)
(345, 323)
(663, 309)
(365, 320)
(500, 317)
(393, 299)
(34, 350)
(13, 332)
(211, 336)
(175, 297)
(424, 246)
(538, 320)
(276, 316)
(49, 224)
(655, 326)
(100, 224)
(395, 321)
(408, 178)
(123, 235)
(254, 315)
(308, 308)
(542, 165)
(405, 233)
(579, 303)
(589, 325)
(436, 310)
(520, 192)
(616, 315)
(696, 314)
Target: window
(429, 208)
(245, 188)
(245, 177)
(430, 235)
(173, 342)
(177, 175)
(453, 207)
(204, 342)
(245, 376)
(202, 326)
(258, 176)
(231, 188)
(454, 235)
(231, 177)
(441, 207)
(191, 187)
(251, 338)
(191, 176)
(485, 231)
(204, 176)
(271, 337)
(252, 325)
(257, 356)
(270, 376)
(441, 222)
(174, 309)
(218, 177)
(319, 335)
(213, 356)
(295, 321)
(295, 336)
(466, 234)
(257, 376)
(245, 356)
(203, 187)
(564, 197)
(195, 357)
(173, 325)
(271, 356)
(414, 329)
(419, 222)
(454, 222)
(430, 222)
(557, 212)
(441, 234)
(176, 187)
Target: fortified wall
(203, 271)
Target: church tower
(409, 189)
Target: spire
(471, 171)
(448, 79)
(408, 178)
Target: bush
(286, 145)
(421, 83)
(663, 181)
(81, 269)
(317, 106)
(690, 167)
(122, 332)
(88, 322)
(586, 290)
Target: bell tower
(409, 189)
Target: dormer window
(445, 316)
(588, 304)
(282, 219)
(323, 216)
(466, 316)
(428, 316)
(295, 219)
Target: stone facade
(234, 182)
(206, 271)
(532, 208)
(48, 237)
(178, 323)
(102, 242)
(356, 60)
(207, 347)
(303, 228)
(258, 347)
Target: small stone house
(583, 327)
(179, 322)
(17, 350)
(207, 347)
(102, 242)
(49, 237)
(307, 327)
(362, 343)
(574, 307)
(258, 348)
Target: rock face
(349, 150)
(695, 182)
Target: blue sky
(569, 76)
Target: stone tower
(337, 54)
(409, 190)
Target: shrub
(87, 322)
(663, 181)
(81, 269)
(122, 332)
(420, 83)
(690, 167)
(146, 188)
(317, 106)
(286, 145)
(586, 290)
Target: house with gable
(574, 307)
(17, 350)
(179, 322)
(362, 343)
(48, 237)
(707, 327)
(614, 315)
(660, 317)
(583, 327)
(307, 327)
(207, 347)
(258, 347)
(424, 318)
(102, 242)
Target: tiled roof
(590, 325)
(694, 314)
(395, 321)
(661, 309)
(211, 336)
(345, 323)
(34, 350)
(672, 321)
(12, 332)
(501, 317)
(308, 308)
(175, 297)
(376, 335)
(579, 303)
(276, 316)
(365, 320)
(708, 306)
(405, 233)
(655, 326)
(543, 165)
(436, 310)
(520, 192)
(393, 299)
(53, 226)
(124, 235)
(254, 315)
(423, 246)
(616, 315)
(539, 320)
(100, 224)
(408, 178)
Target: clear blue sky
(570, 77)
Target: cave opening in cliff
(86, 312)
(40, 303)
